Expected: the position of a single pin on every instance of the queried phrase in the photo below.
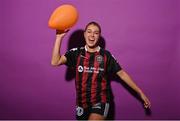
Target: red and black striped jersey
(92, 85)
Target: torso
(91, 82)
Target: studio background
(143, 35)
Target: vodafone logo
(80, 69)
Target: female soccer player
(92, 65)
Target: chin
(91, 45)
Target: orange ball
(63, 17)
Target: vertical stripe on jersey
(89, 80)
(94, 80)
(79, 79)
(99, 79)
(105, 63)
(84, 79)
(104, 84)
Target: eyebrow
(94, 31)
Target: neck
(93, 49)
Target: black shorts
(98, 108)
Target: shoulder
(77, 49)
(106, 52)
(109, 54)
(73, 49)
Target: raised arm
(127, 79)
(57, 58)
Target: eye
(88, 31)
(97, 33)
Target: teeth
(91, 39)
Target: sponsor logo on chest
(89, 69)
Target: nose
(92, 34)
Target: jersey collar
(98, 48)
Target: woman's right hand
(61, 33)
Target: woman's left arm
(127, 79)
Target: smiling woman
(92, 34)
(92, 65)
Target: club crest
(99, 58)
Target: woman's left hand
(146, 101)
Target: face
(92, 35)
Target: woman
(92, 65)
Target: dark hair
(93, 23)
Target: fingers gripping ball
(63, 17)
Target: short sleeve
(71, 57)
(113, 66)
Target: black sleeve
(112, 66)
(71, 57)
